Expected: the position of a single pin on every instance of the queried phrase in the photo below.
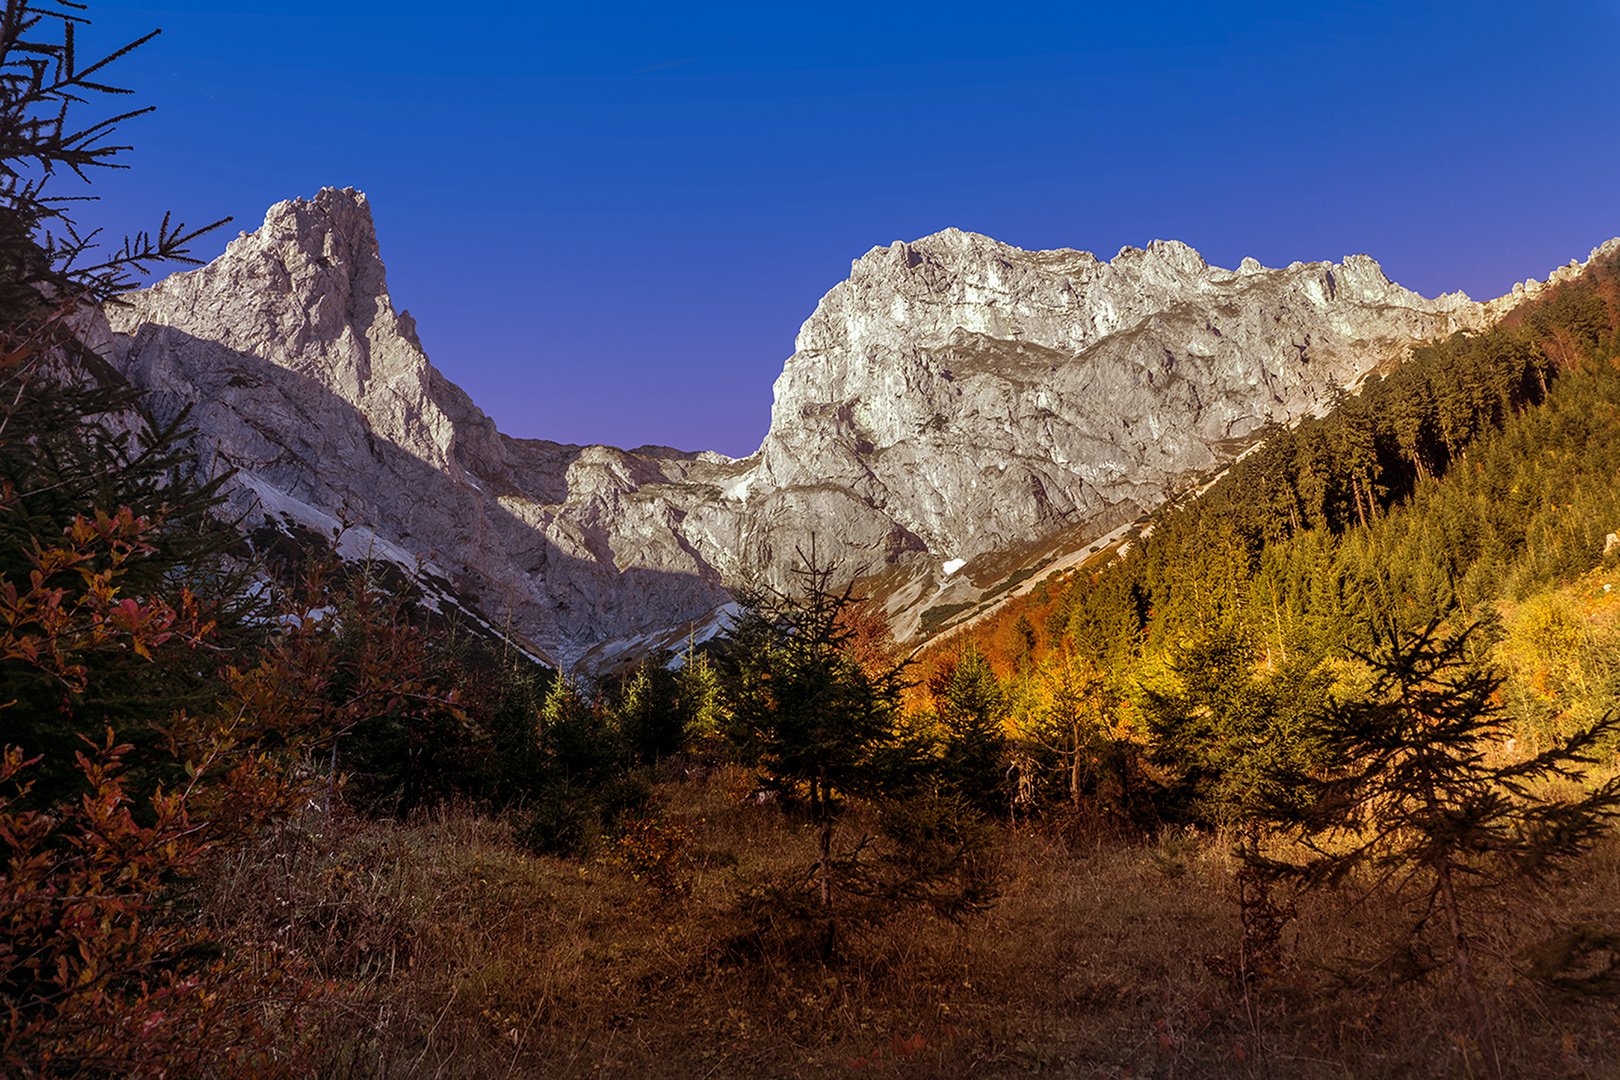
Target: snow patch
(953, 565)
(290, 621)
(718, 623)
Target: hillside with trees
(1314, 776)
(1472, 485)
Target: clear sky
(610, 219)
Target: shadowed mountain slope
(956, 410)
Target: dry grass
(454, 954)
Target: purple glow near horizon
(609, 223)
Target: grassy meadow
(449, 951)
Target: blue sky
(610, 220)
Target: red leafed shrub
(70, 605)
(99, 974)
(104, 968)
(96, 975)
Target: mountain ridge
(954, 401)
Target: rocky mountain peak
(986, 398)
(956, 413)
(307, 294)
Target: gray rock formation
(303, 376)
(979, 403)
(956, 410)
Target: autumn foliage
(99, 974)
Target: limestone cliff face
(981, 398)
(954, 411)
(303, 376)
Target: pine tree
(73, 442)
(818, 722)
(1419, 806)
(972, 707)
(804, 708)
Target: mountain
(956, 413)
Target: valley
(1127, 667)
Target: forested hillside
(1474, 484)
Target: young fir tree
(1420, 807)
(107, 553)
(699, 700)
(972, 707)
(804, 708)
(819, 723)
(1223, 731)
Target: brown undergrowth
(459, 955)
